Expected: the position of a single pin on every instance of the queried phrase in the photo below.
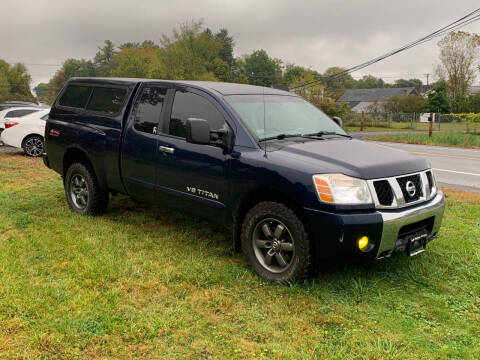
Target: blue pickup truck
(287, 181)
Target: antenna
(264, 121)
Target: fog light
(363, 243)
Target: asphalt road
(454, 168)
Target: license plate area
(417, 244)
(413, 238)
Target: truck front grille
(417, 183)
(400, 191)
(384, 192)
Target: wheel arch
(259, 195)
(73, 155)
(25, 138)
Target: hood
(356, 158)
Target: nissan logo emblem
(411, 189)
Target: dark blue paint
(128, 161)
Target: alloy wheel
(273, 245)
(79, 191)
(34, 147)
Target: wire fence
(409, 122)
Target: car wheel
(275, 243)
(83, 194)
(33, 146)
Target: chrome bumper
(393, 221)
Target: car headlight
(342, 190)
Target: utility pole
(427, 75)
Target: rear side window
(75, 96)
(107, 100)
(188, 105)
(149, 109)
(19, 113)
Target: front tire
(84, 196)
(33, 146)
(275, 243)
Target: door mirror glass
(198, 131)
(338, 121)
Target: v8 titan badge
(203, 193)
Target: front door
(140, 143)
(195, 176)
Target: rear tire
(33, 146)
(84, 196)
(275, 243)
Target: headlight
(342, 190)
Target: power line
(462, 22)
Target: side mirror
(198, 131)
(338, 121)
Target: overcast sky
(312, 33)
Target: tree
(437, 100)
(189, 53)
(296, 75)
(401, 83)
(42, 91)
(459, 52)
(222, 70)
(260, 69)
(370, 82)
(335, 79)
(140, 62)
(70, 68)
(103, 59)
(4, 84)
(15, 82)
(227, 44)
(411, 104)
(474, 103)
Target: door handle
(166, 149)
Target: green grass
(146, 283)
(407, 126)
(445, 139)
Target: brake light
(10, 124)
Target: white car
(15, 112)
(26, 132)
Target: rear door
(194, 176)
(140, 150)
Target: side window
(75, 96)
(187, 105)
(106, 100)
(149, 109)
(19, 113)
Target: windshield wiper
(322, 133)
(280, 137)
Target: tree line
(195, 52)
(14, 82)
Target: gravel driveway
(9, 150)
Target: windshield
(284, 115)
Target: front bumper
(337, 233)
(428, 215)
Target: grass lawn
(444, 139)
(407, 126)
(147, 283)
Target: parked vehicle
(287, 180)
(15, 112)
(14, 103)
(26, 132)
